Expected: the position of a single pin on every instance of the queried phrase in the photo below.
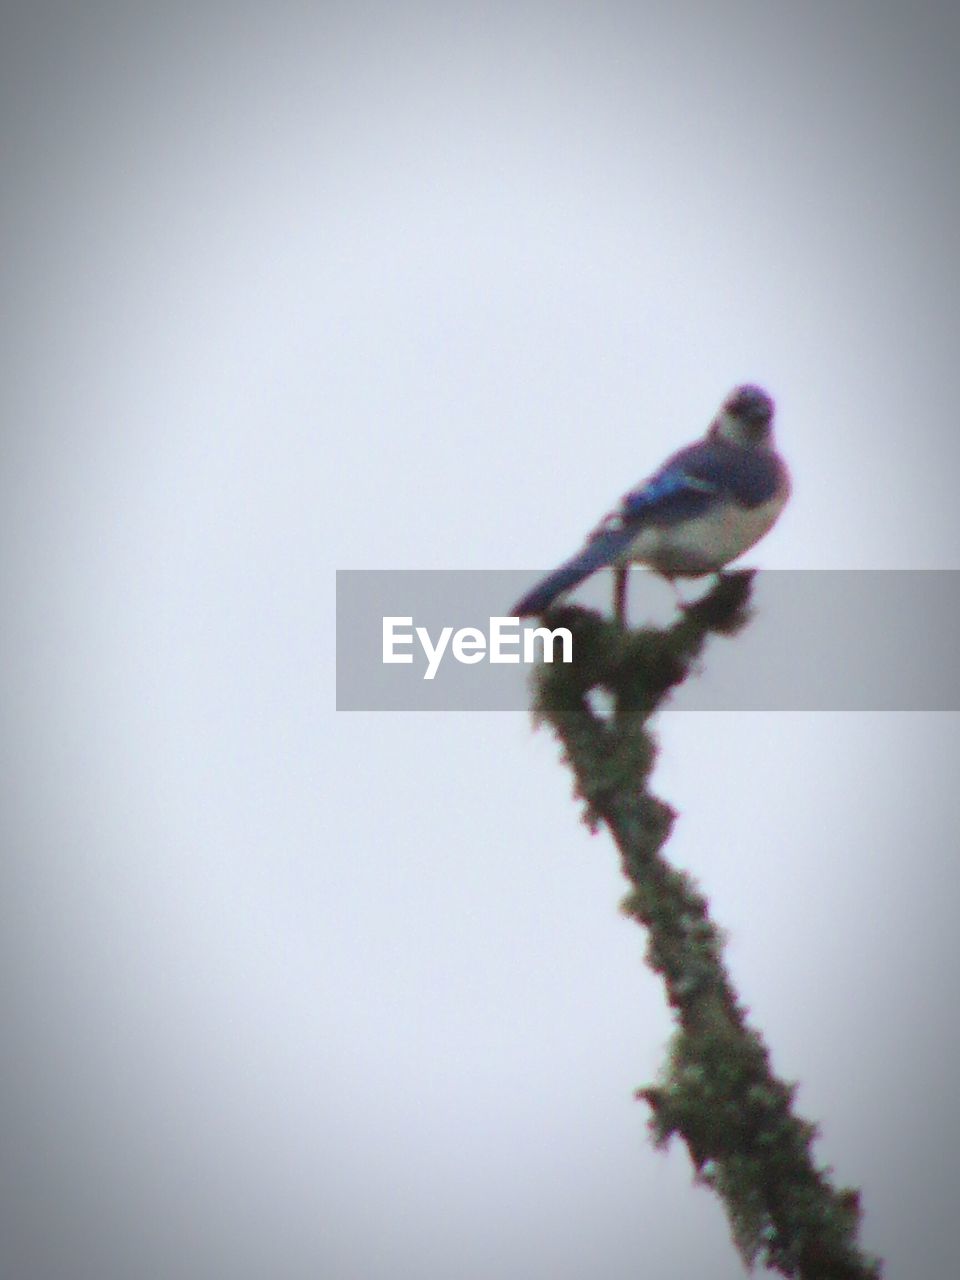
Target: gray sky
(305, 287)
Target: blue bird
(706, 505)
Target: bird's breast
(705, 543)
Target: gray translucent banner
(817, 641)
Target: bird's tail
(602, 550)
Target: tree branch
(717, 1090)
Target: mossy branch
(717, 1091)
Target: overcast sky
(300, 287)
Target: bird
(705, 506)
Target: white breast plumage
(705, 544)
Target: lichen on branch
(717, 1091)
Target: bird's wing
(686, 486)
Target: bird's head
(745, 417)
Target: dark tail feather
(599, 552)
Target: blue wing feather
(674, 493)
(690, 482)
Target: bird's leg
(620, 593)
